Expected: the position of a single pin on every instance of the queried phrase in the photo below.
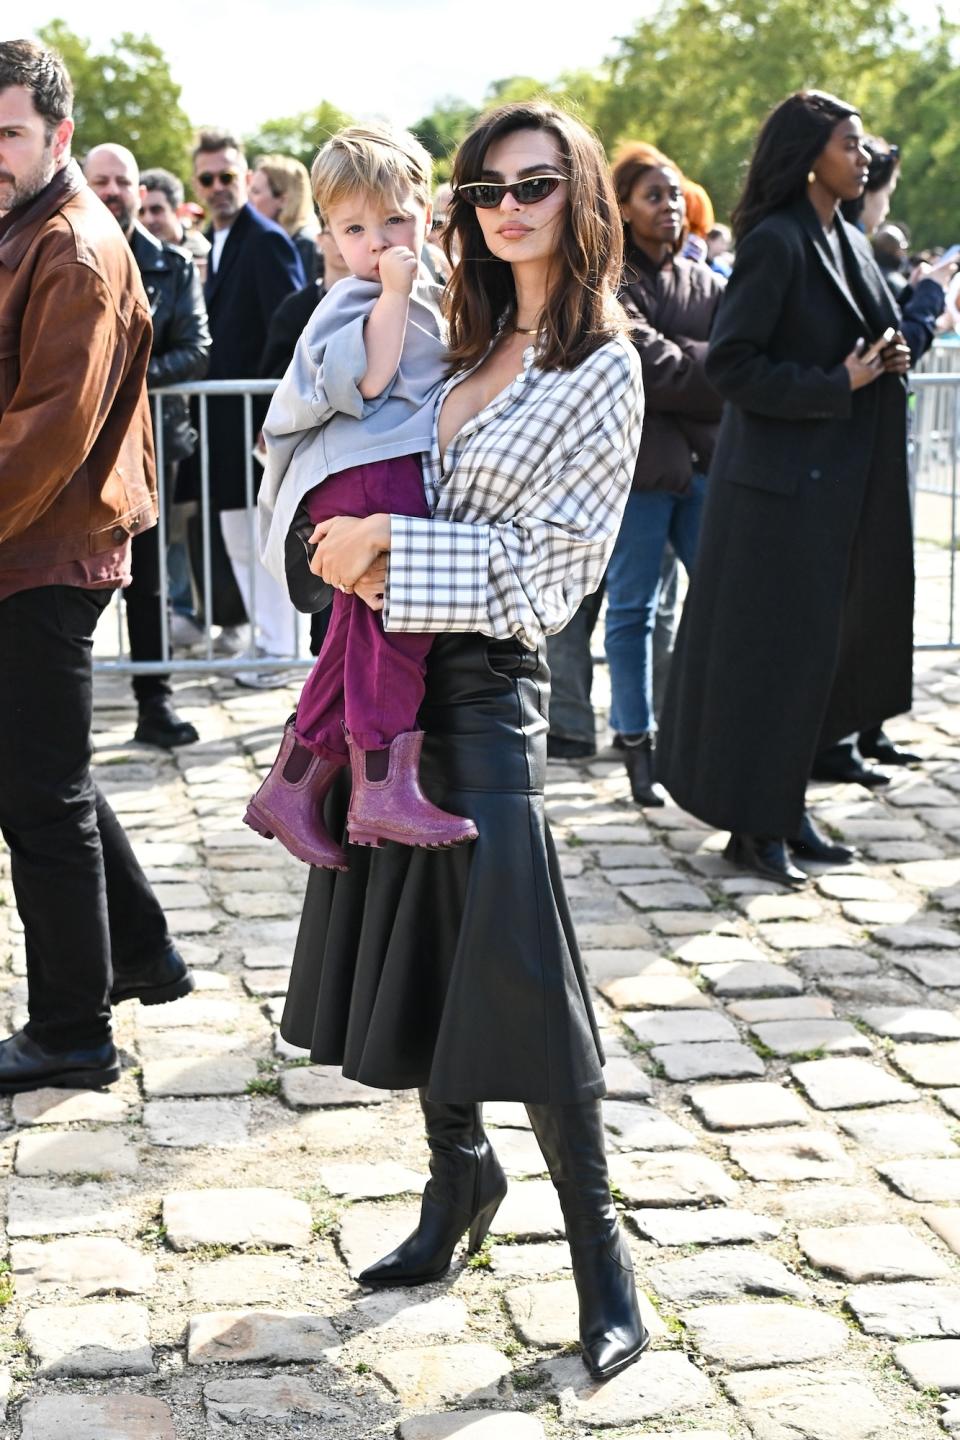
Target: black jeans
(85, 903)
(142, 596)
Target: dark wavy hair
(792, 137)
(582, 311)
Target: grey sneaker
(232, 640)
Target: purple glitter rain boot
(395, 808)
(289, 804)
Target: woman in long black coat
(797, 629)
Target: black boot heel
(481, 1225)
(465, 1190)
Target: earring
(811, 177)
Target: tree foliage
(298, 135)
(697, 78)
(125, 94)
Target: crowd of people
(575, 381)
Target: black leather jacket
(181, 335)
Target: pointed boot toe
(612, 1334)
(765, 855)
(465, 1190)
(811, 844)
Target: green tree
(442, 130)
(298, 135)
(921, 116)
(125, 94)
(698, 76)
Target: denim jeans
(652, 518)
(88, 911)
(571, 673)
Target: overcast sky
(394, 58)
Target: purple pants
(364, 676)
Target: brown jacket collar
(17, 240)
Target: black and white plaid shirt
(527, 506)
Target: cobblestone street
(783, 1122)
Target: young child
(343, 436)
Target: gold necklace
(519, 330)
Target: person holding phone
(798, 625)
(921, 302)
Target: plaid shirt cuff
(437, 576)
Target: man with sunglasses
(253, 266)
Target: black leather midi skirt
(458, 970)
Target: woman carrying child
(458, 973)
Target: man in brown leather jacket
(76, 481)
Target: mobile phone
(952, 254)
(872, 351)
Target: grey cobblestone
(733, 1133)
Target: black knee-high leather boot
(612, 1334)
(464, 1192)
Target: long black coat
(259, 267)
(798, 625)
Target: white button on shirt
(526, 504)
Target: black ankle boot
(876, 744)
(612, 1334)
(637, 752)
(464, 1192)
(765, 855)
(812, 844)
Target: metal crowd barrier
(934, 449)
(934, 460)
(208, 661)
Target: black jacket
(286, 326)
(181, 336)
(672, 308)
(797, 628)
(259, 267)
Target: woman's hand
(896, 356)
(860, 370)
(371, 585)
(347, 547)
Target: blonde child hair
(375, 159)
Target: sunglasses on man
(488, 194)
(226, 177)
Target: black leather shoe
(155, 982)
(560, 748)
(876, 745)
(464, 1193)
(764, 855)
(637, 755)
(812, 844)
(160, 725)
(26, 1065)
(848, 769)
